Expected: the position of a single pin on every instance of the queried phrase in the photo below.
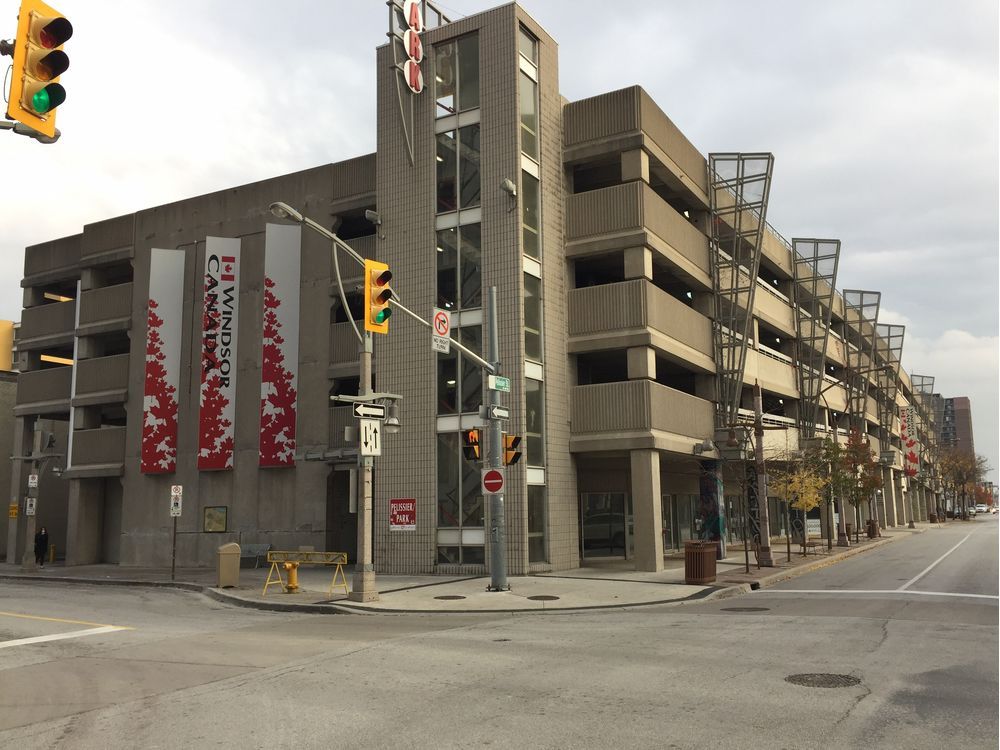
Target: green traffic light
(48, 98)
(382, 315)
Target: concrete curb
(799, 570)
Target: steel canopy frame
(815, 271)
(739, 186)
(889, 348)
(861, 311)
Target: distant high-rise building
(956, 430)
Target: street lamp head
(284, 211)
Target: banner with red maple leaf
(908, 436)
(280, 351)
(158, 449)
(219, 333)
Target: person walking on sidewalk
(41, 546)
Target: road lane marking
(873, 591)
(56, 619)
(930, 567)
(61, 636)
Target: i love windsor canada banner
(218, 329)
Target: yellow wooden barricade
(288, 559)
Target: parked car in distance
(972, 512)
(981, 508)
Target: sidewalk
(612, 584)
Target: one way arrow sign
(369, 411)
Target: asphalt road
(191, 673)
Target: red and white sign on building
(403, 514)
(412, 20)
(908, 434)
(158, 449)
(220, 324)
(280, 350)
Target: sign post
(176, 498)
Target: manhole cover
(450, 597)
(822, 680)
(543, 598)
(746, 609)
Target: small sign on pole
(371, 437)
(442, 331)
(32, 481)
(29, 506)
(492, 481)
(176, 496)
(402, 514)
(498, 383)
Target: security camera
(509, 187)
(373, 217)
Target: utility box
(228, 566)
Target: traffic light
(377, 296)
(511, 454)
(35, 91)
(470, 445)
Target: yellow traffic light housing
(35, 91)
(470, 445)
(511, 454)
(377, 296)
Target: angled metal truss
(739, 185)
(923, 391)
(889, 350)
(861, 314)
(815, 273)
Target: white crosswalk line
(61, 636)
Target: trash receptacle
(699, 561)
(228, 568)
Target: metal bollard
(292, 568)
(52, 553)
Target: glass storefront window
(460, 504)
(536, 523)
(530, 211)
(458, 182)
(532, 317)
(460, 388)
(528, 96)
(459, 258)
(449, 455)
(456, 75)
(534, 406)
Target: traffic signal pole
(363, 587)
(498, 525)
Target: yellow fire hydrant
(292, 568)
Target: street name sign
(498, 383)
(493, 481)
(369, 411)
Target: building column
(646, 510)
(635, 166)
(638, 263)
(889, 496)
(23, 434)
(641, 363)
(84, 522)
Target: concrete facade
(625, 376)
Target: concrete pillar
(638, 263)
(646, 509)
(641, 363)
(889, 495)
(85, 521)
(19, 470)
(635, 166)
(901, 499)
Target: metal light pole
(498, 524)
(363, 587)
(764, 557)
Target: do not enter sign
(493, 480)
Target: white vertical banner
(219, 332)
(164, 311)
(280, 346)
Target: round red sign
(493, 481)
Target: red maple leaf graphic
(158, 451)
(278, 395)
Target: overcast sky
(882, 117)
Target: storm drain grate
(543, 598)
(746, 609)
(823, 680)
(450, 597)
